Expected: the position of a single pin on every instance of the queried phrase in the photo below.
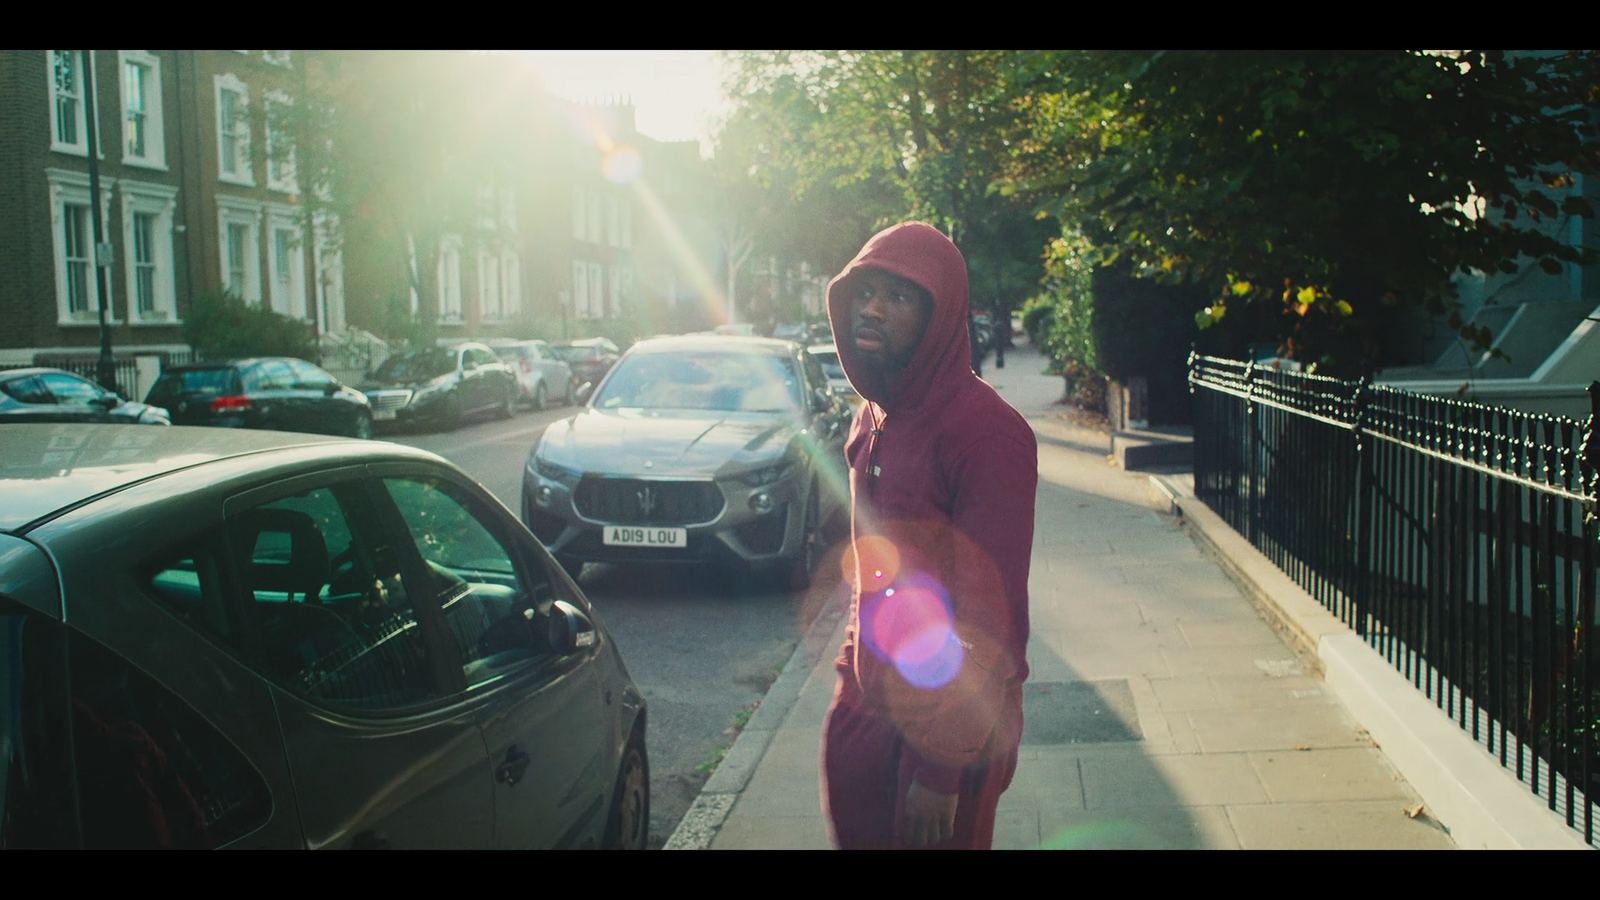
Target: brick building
(197, 195)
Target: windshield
(720, 381)
(829, 361)
(418, 365)
(576, 354)
(195, 381)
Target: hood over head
(920, 253)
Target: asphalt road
(700, 655)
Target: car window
(416, 365)
(495, 608)
(322, 600)
(210, 382)
(27, 390)
(69, 390)
(718, 381)
(308, 376)
(269, 375)
(151, 771)
(509, 354)
(481, 357)
(36, 797)
(830, 364)
(541, 350)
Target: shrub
(221, 326)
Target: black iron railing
(1458, 539)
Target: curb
(1479, 802)
(704, 819)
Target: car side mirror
(581, 395)
(109, 401)
(331, 388)
(571, 631)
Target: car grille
(633, 501)
(384, 401)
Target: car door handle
(516, 765)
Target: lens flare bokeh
(912, 626)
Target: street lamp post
(106, 370)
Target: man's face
(888, 317)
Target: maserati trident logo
(647, 501)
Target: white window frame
(596, 217)
(72, 188)
(580, 289)
(489, 290)
(238, 211)
(597, 289)
(159, 201)
(244, 172)
(80, 122)
(287, 299)
(285, 181)
(614, 291)
(510, 284)
(449, 278)
(580, 208)
(330, 273)
(155, 135)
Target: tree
(1341, 187)
(852, 141)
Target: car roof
(712, 342)
(45, 469)
(28, 372)
(587, 342)
(823, 348)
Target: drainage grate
(1079, 712)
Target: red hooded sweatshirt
(942, 484)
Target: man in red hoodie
(922, 736)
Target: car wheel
(541, 397)
(628, 826)
(362, 429)
(805, 561)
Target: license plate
(625, 536)
(382, 414)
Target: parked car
(718, 450)
(277, 393)
(590, 358)
(441, 386)
(540, 373)
(37, 394)
(827, 356)
(228, 638)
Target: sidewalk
(1162, 711)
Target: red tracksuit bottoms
(864, 785)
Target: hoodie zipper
(872, 452)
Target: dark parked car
(712, 449)
(590, 358)
(276, 393)
(55, 395)
(441, 386)
(225, 638)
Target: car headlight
(550, 470)
(768, 475)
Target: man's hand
(930, 818)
